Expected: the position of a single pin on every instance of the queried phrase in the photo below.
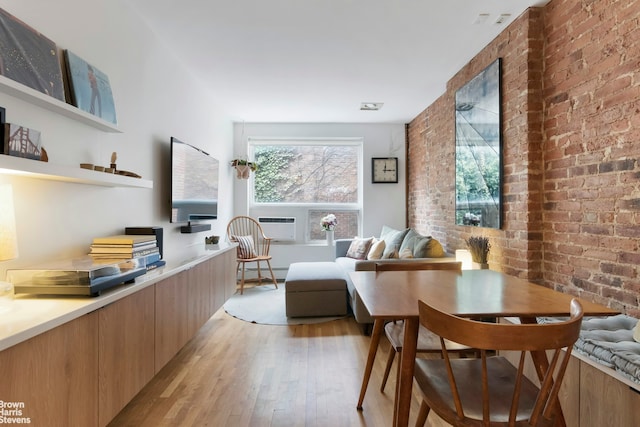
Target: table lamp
(8, 241)
(464, 256)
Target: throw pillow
(434, 249)
(406, 253)
(636, 332)
(392, 241)
(416, 242)
(376, 249)
(246, 247)
(359, 248)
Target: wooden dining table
(392, 295)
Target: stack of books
(114, 248)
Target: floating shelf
(50, 103)
(44, 170)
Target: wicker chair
(253, 246)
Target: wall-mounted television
(194, 186)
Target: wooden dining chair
(253, 246)
(428, 342)
(489, 391)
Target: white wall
(384, 204)
(155, 97)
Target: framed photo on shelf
(28, 57)
(90, 88)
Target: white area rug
(265, 305)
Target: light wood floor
(235, 373)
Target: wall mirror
(478, 150)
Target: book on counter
(124, 239)
(129, 252)
(148, 258)
(156, 264)
(142, 247)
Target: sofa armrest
(342, 246)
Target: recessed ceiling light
(503, 17)
(482, 18)
(371, 106)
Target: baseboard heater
(279, 228)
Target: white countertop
(31, 315)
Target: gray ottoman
(315, 289)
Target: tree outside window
(322, 175)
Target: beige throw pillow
(376, 249)
(636, 332)
(359, 248)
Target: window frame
(305, 208)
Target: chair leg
(423, 414)
(387, 369)
(242, 280)
(273, 276)
(259, 273)
(397, 395)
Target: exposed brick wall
(517, 247)
(570, 152)
(592, 142)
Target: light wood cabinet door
(201, 286)
(605, 401)
(229, 272)
(54, 376)
(126, 345)
(172, 323)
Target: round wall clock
(384, 170)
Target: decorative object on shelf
(90, 88)
(8, 242)
(384, 170)
(478, 178)
(29, 58)
(328, 224)
(114, 157)
(127, 173)
(20, 141)
(243, 167)
(479, 248)
(212, 240)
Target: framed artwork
(90, 88)
(19, 141)
(384, 170)
(478, 150)
(28, 57)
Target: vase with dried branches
(479, 248)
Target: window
(311, 178)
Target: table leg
(541, 363)
(408, 360)
(378, 326)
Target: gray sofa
(349, 264)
